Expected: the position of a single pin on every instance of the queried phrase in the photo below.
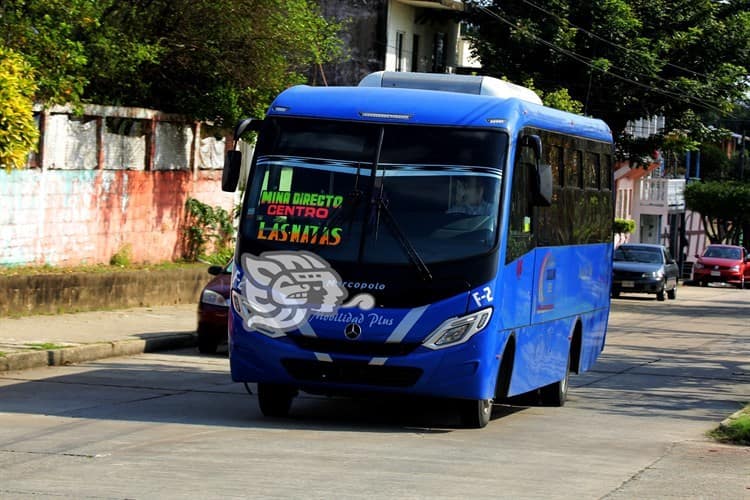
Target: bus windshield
(369, 193)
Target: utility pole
(742, 156)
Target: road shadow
(179, 393)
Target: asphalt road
(173, 425)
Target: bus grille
(372, 349)
(352, 372)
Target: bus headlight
(458, 330)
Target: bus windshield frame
(375, 193)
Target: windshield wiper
(402, 239)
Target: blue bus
(435, 235)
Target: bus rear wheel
(275, 400)
(475, 413)
(556, 394)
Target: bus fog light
(456, 331)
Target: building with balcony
(657, 205)
(394, 35)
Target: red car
(213, 309)
(722, 264)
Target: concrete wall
(73, 292)
(70, 217)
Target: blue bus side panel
(593, 342)
(549, 289)
(571, 280)
(541, 354)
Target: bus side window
(520, 236)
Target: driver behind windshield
(470, 198)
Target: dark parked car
(213, 309)
(643, 268)
(722, 264)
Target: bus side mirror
(543, 195)
(231, 174)
(233, 160)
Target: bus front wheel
(475, 413)
(275, 400)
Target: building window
(399, 51)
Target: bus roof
(431, 107)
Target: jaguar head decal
(282, 289)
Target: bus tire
(475, 413)
(275, 400)
(555, 394)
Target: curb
(90, 352)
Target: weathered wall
(72, 292)
(110, 179)
(69, 217)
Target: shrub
(623, 226)
(18, 132)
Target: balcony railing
(436, 4)
(663, 193)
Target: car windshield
(639, 254)
(377, 194)
(723, 253)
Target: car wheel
(660, 295)
(615, 293)
(556, 394)
(475, 413)
(742, 283)
(275, 400)
(672, 294)
(207, 344)
(704, 283)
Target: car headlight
(214, 298)
(698, 265)
(458, 330)
(734, 268)
(654, 274)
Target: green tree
(210, 60)
(623, 59)
(49, 34)
(724, 208)
(206, 59)
(18, 132)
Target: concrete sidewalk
(35, 341)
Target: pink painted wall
(71, 217)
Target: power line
(609, 42)
(687, 99)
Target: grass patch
(2, 354)
(43, 346)
(736, 430)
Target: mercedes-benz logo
(353, 331)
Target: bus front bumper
(460, 371)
